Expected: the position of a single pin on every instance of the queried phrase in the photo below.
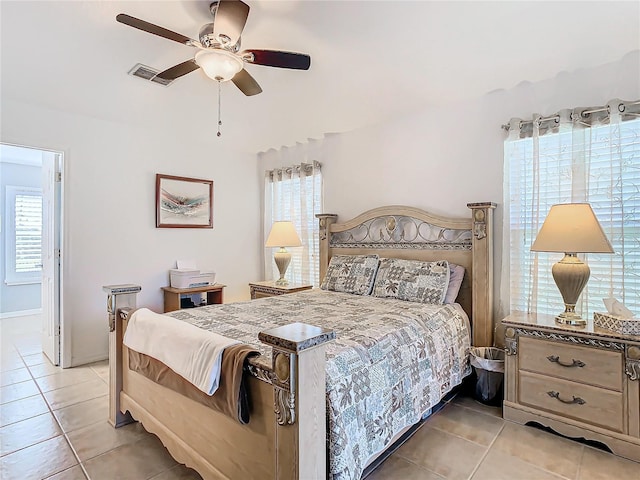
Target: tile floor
(53, 425)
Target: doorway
(31, 263)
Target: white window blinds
(24, 239)
(572, 161)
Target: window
(24, 235)
(295, 194)
(597, 163)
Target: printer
(187, 276)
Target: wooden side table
(270, 289)
(583, 382)
(172, 295)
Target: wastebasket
(488, 363)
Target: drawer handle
(574, 363)
(556, 395)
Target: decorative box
(626, 326)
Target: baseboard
(21, 313)
(77, 361)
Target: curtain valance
(304, 169)
(580, 116)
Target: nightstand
(582, 382)
(270, 289)
(172, 295)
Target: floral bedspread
(391, 362)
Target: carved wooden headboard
(410, 233)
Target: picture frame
(183, 202)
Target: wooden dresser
(580, 381)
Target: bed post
(326, 220)
(299, 384)
(482, 287)
(118, 297)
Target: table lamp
(571, 228)
(283, 234)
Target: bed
(308, 392)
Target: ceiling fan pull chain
(219, 94)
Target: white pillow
(456, 275)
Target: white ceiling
(371, 60)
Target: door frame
(65, 334)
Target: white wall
(16, 298)
(440, 159)
(109, 211)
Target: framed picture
(183, 202)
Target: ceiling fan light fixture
(218, 51)
(219, 64)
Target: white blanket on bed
(193, 353)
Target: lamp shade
(571, 228)
(283, 234)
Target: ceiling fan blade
(276, 58)
(179, 70)
(246, 83)
(155, 29)
(229, 20)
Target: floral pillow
(412, 280)
(351, 274)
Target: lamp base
(571, 275)
(571, 318)
(282, 259)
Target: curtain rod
(621, 108)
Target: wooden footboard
(200, 437)
(286, 436)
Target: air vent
(148, 73)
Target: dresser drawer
(593, 405)
(602, 368)
(258, 294)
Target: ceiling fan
(219, 54)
